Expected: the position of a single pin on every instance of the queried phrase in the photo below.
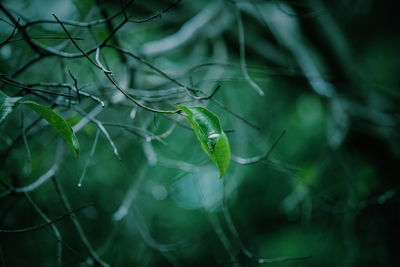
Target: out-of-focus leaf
(57, 122)
(6, 105)
(208, 130)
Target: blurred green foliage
(325, 195)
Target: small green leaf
(212, 138)
(57, 122)
(6, 105)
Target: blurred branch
(7, 40)
(156, 15)
(108, 73)
(57, 233)
(23, 133)
(41, 226)
(149, 240)
(235, 114)
(82, 24)
(152, 67)
(185, 33)
(217, 227)
(242, 46)
(130, 196)
(77, 225)
(103, 129)
(29, 89)
(89, 158)
(256, 159)
(231, 225)
(44, 38)
(42, 179)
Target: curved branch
(43, 225)
(256, 159)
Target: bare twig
(99, 63)
(43, 225)
(23, 133)
(130, 196)
(77, 225)
(57, 233)
(109, 76)
(42, 179)
(256, 159)
(29, 89)
(162, 73)
(235, 114)
(75, 85)
(89, 158)
(216, 224)
(7, 40)
(243, 53)
(156, 15)
(44, 38)
(149, 240)
(82, 24)
(188, 89)
(76, 44)
(103, 129)
(231, 225)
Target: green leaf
(6, 105)
(57, 122)
(212, 138)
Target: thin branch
(44, 38)
(231, 225)
(23, 133)
(23, 31)
(7, 40)
(110, 26)
(31, 62)
(158, 14)
(188, 89)
(217, 227)
(5, 21)
(109, 76)
(79, 23)
(309, 14)
(75, 85)
(46, 176)
(76, 44)
(57, 233)
(130, 196)
(162, 73)
(89, 158)
(256, 159)
(282, 259)
(187, 32)
(85, 120)
(99, 63)
(29, 89)
(145, 134)
(103, 129)
(42, 179)
(125, 93)
(223, 106)
(77, 225)
(149, 240)
(43, 225)
(14, 142)
(268, 260)
(243, 53)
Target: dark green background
(328, 194)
